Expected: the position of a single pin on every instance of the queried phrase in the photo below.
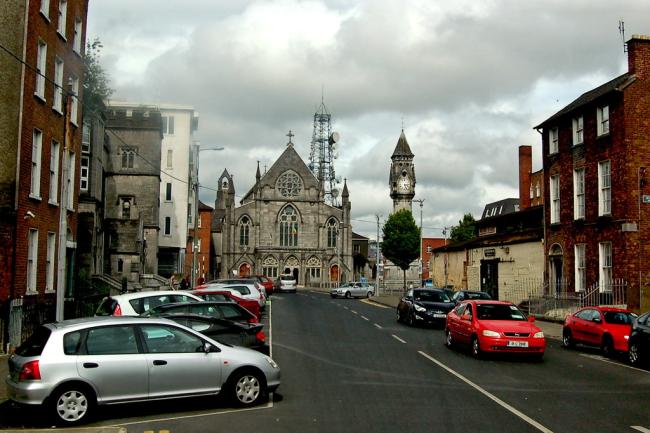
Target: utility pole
(444, 232)
(378, 259)
(421, 201)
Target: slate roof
(402, 148)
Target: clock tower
(402, 175)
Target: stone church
(283, 226)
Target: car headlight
(488, 333)
(539, 334)
(419, 308)
(272, 362)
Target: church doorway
(334, 274)
(244, 270)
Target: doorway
(555, 265)
(490, 277)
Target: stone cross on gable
(290, 135)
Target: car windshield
(430, 296)
(286, 278)
(619, 317)
(499, 312)
(107, 307)
(34, 345)
(241, 289)
(477, 295)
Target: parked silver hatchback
(70, 367)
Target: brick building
(40, 135)
(596, 156)
(204, 245)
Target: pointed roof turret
(345, 193)
(402, 148)
(258, 175)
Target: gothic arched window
(289, 227)
(244, 230)
(332, 233)
(289, 184)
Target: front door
(490, 277)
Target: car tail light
(261, 336)
(117, 311)
(30, 371)
(253, 319)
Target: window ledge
(40, 97)
(53, 203)
(35, 197)
(49, 290)
(46, 17)
(61, 35)
(603, 135)
(57, 111)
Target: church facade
(283, 226)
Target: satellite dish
(334, 137)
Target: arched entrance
(555, 266)
(334, 274)
(244, 270)
(292, 267)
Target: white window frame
(85, 137)
(604, 188)
(71, 176)
(553, 141)
(41, 66)
(37, 148)
(168, 191)
(76, 39)
(604, 267)
(554, 184)
(49, 262)
(32, 260)
(57, 104)
(54, 173)
(168, 125)
(578, 130)
(45, 9)
(63, 12)
(84, 171)
(170, 158)
(580, 259)
(74, 109)
(579, 193)
(602, 120)
(167, 229)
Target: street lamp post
(195, 187)
(421, 201)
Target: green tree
(401, 243)
(465, 230)
(96, 85)
(359, 261)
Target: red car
(493, 326)
(209, 295)
(266, 282)
(605, 327)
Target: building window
(289, 184)
(70, 181)
(41, 62)
(32, 259)
(170, 158)
(244, 231)
(605, 266)
(270, 267)
(63, 12)
(126, 208)
(356, 249)
(579, 193)
(289, 227)
(168, 125)
(45, 8)
(604, 188)
(168, 226)
(580, 268)
(49, 261)
(189, 213)
(58, 85)
(168, 191)
(198, 222)
(602, 118)
(76, 39)
(198, 245)
(128, 157)
(553, 146)
(85, 137)
(429, 249)
(74, 109)
(83, 175)
(538, 190)
(555, 199)
(577, 130)
(120, 265)
(332, 233)
(54, 173)
(37, 144)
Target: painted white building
(176, 198)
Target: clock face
(404, 183)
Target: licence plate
(517, 344)
(439, 316)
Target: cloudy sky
(467, 79)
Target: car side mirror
(531, 318)
(208, 347)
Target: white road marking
(378, 326)
(354, 312)
(492, 397)
(600, 358)
(365, 318)
(270, 331)
(639, 428)
(346, 307)
(398, 339)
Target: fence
(26, 314)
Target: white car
(246, 291)
(353, 289)
(134, 304)
(287, 283)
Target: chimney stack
(525, 170)
(638, 56)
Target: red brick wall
(203, 258)
(426, 257)
(525, 170)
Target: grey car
(70, 367)
(354, 289)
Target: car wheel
(72, 404)
(567, 339)
(476, 348)
(369, 294)
(607, 346)
(449, 342)
(348, 295)
(247, 388)
(411, 319)
(398, 316)
(633, 354)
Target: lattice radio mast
(324, 143)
